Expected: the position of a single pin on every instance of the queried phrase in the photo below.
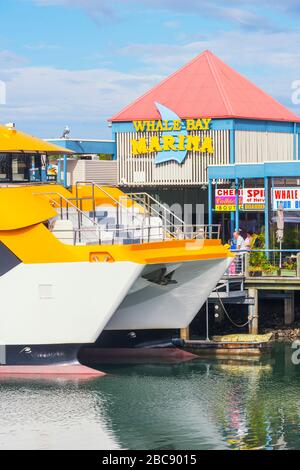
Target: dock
(244, 289)
(284, 288)
(231, 345)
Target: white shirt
(240, 243)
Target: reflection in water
(54, 414)
(203, 404)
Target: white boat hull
(61, 303)
(153, 306)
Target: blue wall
(255, 170)
(229, 124)
(234, 125)
(87, 146)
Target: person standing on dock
(240, 246)
(239, 240)
(249, 240)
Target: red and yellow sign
(225, 200)
(249, 199)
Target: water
(204, 404)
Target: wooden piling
(253, 311)
(298, 265)
(289, 308)
(185, 333)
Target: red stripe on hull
(74, 370)
(136, 355)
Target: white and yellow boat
(76, 263)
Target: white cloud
(243, 12)
(260, 49)
(48, 98)
(41, 46)
(246, 17)
(94, 7)
(172, 24)
(269, 59)
(10, 59)
(45, 98)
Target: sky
(77, 62)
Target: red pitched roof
(207, 87)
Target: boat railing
(142, 218)
(155, 208)
(65, 206)
(93, 186)
(148, 205)
(131, 234)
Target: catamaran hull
(39, 354)
(49, 310)
(146, 325)
(169, 302)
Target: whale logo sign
(170, 137)
(166, 155)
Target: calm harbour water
(203, 404)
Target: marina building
(205, 137)
(188, 138)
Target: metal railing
(154, 208)
(266, 263)
(144, 224)
(237, 267)
(94, 185)
(133, 234)
(65, 206)
(149, 207)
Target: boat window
(35, 167)
(20, 167)
(4, 167)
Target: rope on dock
(227, 314)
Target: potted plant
(290, 267)
(268, 269)
(255, 271)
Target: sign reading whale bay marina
(173, 139)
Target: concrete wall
(98, 171)
(256, 147)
